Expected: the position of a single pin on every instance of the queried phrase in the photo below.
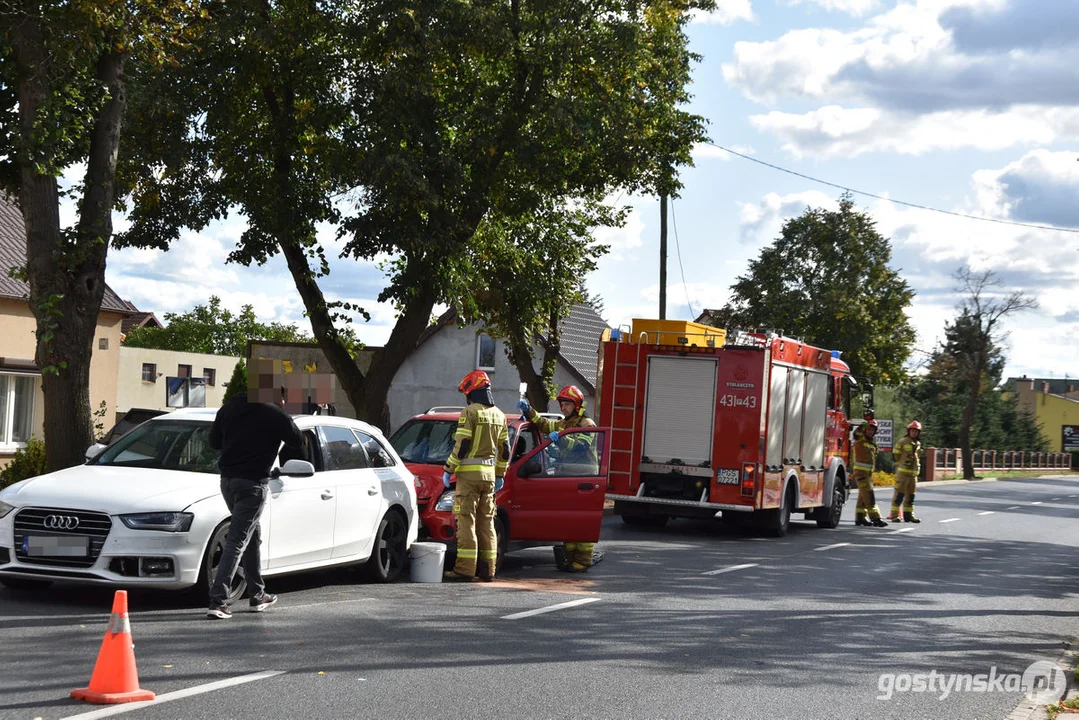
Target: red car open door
(558, 489)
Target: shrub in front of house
(28, 462)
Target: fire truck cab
(751, 427)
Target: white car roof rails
(442, 409)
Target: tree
(237, 383)
(63, 95)
(428, 117)
(826, 279)
(214, 330)
(971, 355)
(533, 268)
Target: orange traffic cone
(115, 678)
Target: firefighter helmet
(915, 426)
(573, 394)
(475, 380)
(871, 423)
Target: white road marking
(900, 530)
(179, 694)
(1013, 507)
(1073, 496)
(832, 546)
(987, 512)
(550, 608)
(949, 520)
(732, 568)
(1037, 502)
(1053, 499)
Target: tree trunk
(67, 279)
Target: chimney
(1045, 387)
(1071, 388)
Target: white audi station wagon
(147, 511)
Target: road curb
(1027, 710)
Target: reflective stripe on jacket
(865, 455)
(484, 427)
(906, 453)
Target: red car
(545, 499)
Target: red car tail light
(749, 479)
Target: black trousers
(245, 500)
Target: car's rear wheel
(502, 541)
(211, 560)
(24, 583)
(390, 551)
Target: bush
(27, 463)
(883, 479)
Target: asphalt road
(694, 620)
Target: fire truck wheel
(828, 517)
(781, 516)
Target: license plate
(727, 476)
(55, 546)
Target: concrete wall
(134, 392)
(17, 325)
(1051, 411)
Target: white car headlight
(445, 502)
(5, 508)
(165, 521)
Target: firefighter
(858, 430)
(865, 462)
(575, 556)
(907, 466)
(480, 457)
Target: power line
(678, 249)
(892, 200)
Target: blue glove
(446, 479)
(499, 482)
(554, 436)
(523, 406)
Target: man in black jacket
(249, 435)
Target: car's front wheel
(211, 560)
(390, 551)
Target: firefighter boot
(860, 519)
(908, 516)
(559, 556)
(877, 522)
(485, 570)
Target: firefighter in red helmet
(907, 467)
(575, 556)
(480, 457)
(865, 462)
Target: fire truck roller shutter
(816, 419)
(773, 458)
(679, 410)
(792, 439)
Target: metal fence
(944, 461)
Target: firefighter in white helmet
(866, 512)
(479, 459)
(575, 556)
(907, 467)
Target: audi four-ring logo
(61, 522)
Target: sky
(965, 106)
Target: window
(485, 352)
(343, 450)
(209, 376)
(102, 343)
(183, 371)
(17, 394)
(376, 454)
(576, 454)
(309, 451)
(424, 441)
(526, 443)
(149, 372)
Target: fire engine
(755, 426)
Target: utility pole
(663, 256)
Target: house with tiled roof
(21, 400)
(444, 353)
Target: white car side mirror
(94, 450)
(296, 468)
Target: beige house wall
(134, 392)
(17, 326)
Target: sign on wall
(1071, 438)
(885, 435)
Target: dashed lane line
(950, 520)
(900, 530)
(177, 695)
(1036, 502)
(831, 547)
(732, 568)
(987, 512)
(550, 608)
(1013, 507)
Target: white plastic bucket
(427, 560)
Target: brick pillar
(930, 464)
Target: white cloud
(1042, 187)
(925, 75)
(727, 12)
(762, 221)
(852, 7)
(849, 132)
(622, 240)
